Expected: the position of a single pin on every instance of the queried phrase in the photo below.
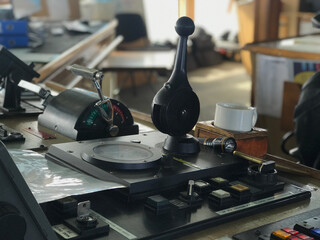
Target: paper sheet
(49, 181)
(271, 74)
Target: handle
(184, 27)
(83, 71)
(255, 116)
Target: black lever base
(181, 144)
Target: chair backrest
(131, 26)
(307, 118)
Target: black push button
(158, 204)
(177, 204)
(220, 199)
(65, 207)
(303, 227)
(202, 187)
(240, 192)
(218, 182)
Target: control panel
(302, 226)
(171, 213)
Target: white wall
(161, 17)
(212, 15)
(129, 6)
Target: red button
(304, 237)
(293, 238)
(287, 229)
(290, 230)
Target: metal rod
(248, 157)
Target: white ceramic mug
(235, 117)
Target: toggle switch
(190, 196)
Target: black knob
(184, 26)
(260, 178)
(12, 225)
(87, 222)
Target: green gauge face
(119, 117)
(94, 114)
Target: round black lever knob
(184, 26)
